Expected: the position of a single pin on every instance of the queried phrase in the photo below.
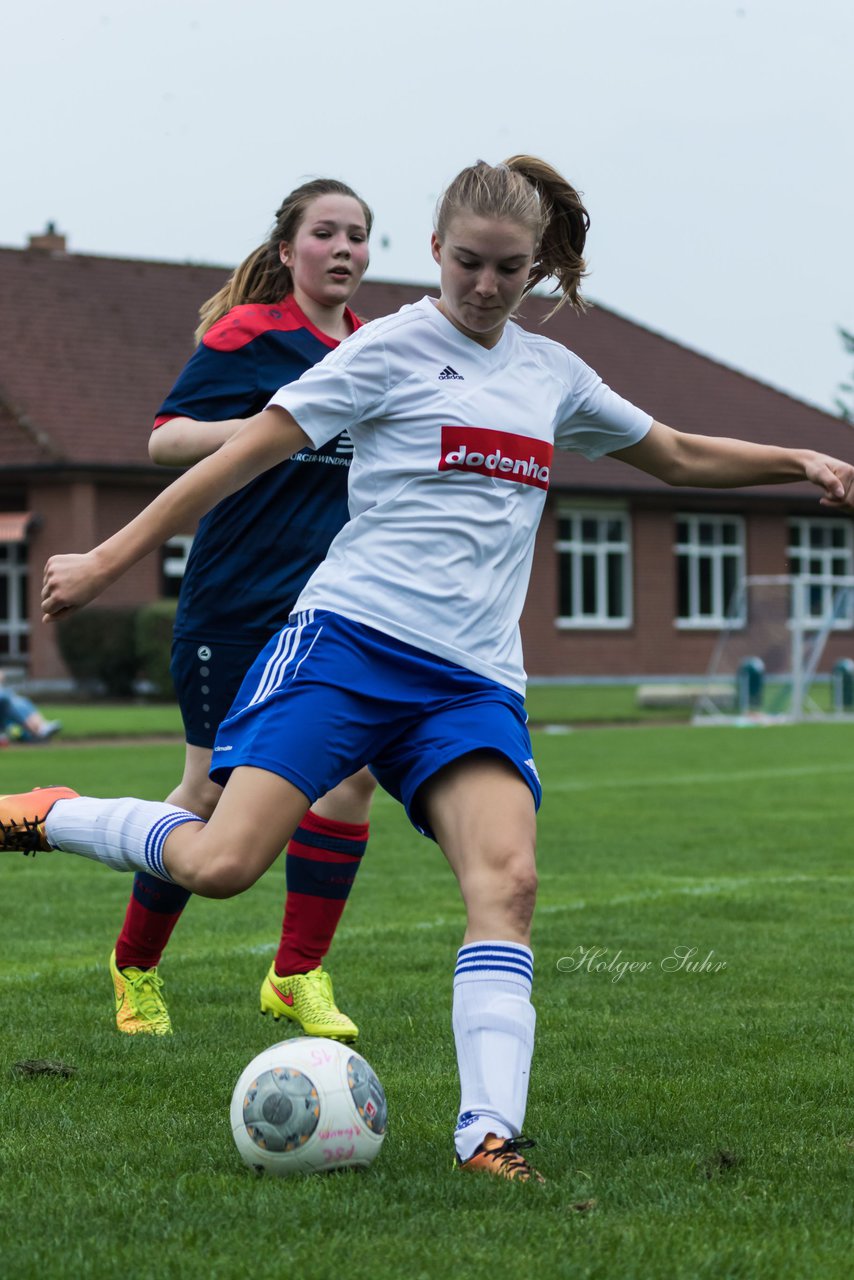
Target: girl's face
(329, 253)
(485, 264)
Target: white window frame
(15, 570)
(715, 553)
(600, 550)
(818, 562)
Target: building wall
(75, 515)
(653, 645)
(78, 512)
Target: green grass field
(114, 720)
(690, 1123)
(547, 704)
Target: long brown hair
(262, 276)
(526, 190)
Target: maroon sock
(153, 911)
(320, 864)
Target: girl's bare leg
(350, 801)
(255, 818)
(483, 816)
(196, 791)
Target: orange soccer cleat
(22, 817)
(500, 1157)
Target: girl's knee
(357, 786)
(221, 876)
(508, 882)
(522, 884)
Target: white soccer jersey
(453, 450)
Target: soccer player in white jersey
(404, 650)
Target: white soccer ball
(307, 1105)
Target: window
(175, 554)
(822, 549)
(594, 568)
(14, 623)
(709, 567)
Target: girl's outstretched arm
(71, 581)
(717, 462)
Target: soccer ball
(307, 1105)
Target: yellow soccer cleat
(22, 817)
(500, 1157)
(140, 1006)
(307, 999)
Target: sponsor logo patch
(499, 454)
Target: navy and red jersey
(255, 550)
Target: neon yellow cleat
(140, 1006)
(22, 817)
(307, 999)
(500, 1157)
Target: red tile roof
(89, 346)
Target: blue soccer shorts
(328, 695)
(207, 676)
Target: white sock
(126, 834)
(494, 1033)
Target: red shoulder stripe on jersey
(242, 324)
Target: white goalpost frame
(805, 652)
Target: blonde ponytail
(526, 190)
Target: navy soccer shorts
(328, 695)
(207, 677)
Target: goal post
(766, 666)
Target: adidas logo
(448, 372)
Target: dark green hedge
(154, 645)
(108, 650)
(98, 646)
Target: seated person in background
(20, 719)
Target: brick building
(630, 578)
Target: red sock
(153, 911)
(320, 864)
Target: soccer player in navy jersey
(403, 650)
(283, 309)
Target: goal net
(767, 664)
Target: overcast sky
(712, 141)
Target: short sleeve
(214, 385)
(346, 387)
(593, 420)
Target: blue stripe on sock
(483, 961)
(156, 838)
(320, 879)
(335, 844)
(161, 897)
(498, 969)
(502, 960)
(508, 948)
(475, 953)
